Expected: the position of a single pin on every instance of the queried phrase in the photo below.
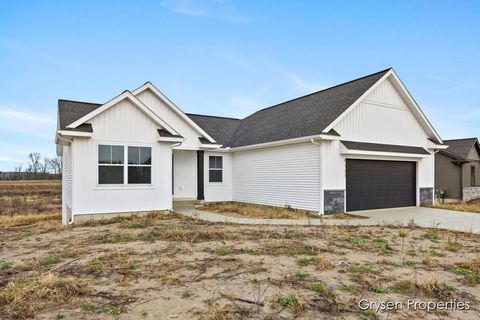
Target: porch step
(187, 202)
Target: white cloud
(27, 122)
(182, 7)
(219, 9)
(300, 83)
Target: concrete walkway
(422, 217)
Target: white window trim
(125, 185)
(217, 169)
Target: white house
(363, 144)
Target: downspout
(320, 209)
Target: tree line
(36, 168)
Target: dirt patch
(167, 266)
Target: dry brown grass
(324, 263)
(473, 265)
(471, 206)
(22, 220)
(216, 311)
(42, 198)
(23, 297)
(257, 211)
(268, 212)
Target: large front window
(114, 169)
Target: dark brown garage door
(375, 184)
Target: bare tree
(17, 172)
(34, 163)
(56, 165)
(46, 165)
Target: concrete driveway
(423, 217)
(426, 217)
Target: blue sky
(229, 58)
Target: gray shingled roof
(461, 147)
(300, 117)
(219, 128)
(70, 111)
(364, 146)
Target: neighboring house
(363, 144)
(457, 169)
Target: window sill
(124, 187)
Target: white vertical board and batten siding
(122, 124)
(278, 176)
(383, 117)
(219, 191)
(172, 118)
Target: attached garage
(374, 184)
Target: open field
(471, 206)
(166, 266)
(23, 202)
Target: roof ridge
(206, 115)
(80, 101)
(322, 90)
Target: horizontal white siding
(121, 124)
(278, 176)
(219, 191)
(67, 173)
(185, 174)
